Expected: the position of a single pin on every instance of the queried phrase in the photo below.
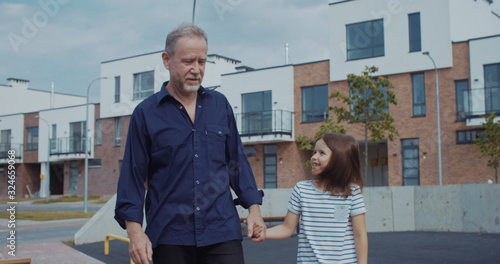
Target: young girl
(331, 205)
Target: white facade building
(17, 97)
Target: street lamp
(85, 196)
(47, 180)
(194, 7)
(438, 121)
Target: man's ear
(166, 60)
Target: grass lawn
(47, 215)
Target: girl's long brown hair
(344, 167)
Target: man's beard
(190, 88)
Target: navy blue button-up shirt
(189, 169)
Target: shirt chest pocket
(216, 141)
(341, 212)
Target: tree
(489, 142)
(367, 104)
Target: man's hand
(255, 222)
(140, 248)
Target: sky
(65, 41)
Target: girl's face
(320, 158)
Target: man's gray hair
(185, 29)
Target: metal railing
(481, 101)
(6, 147)
(67, 145)
(265, 122)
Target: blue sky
(64, 41)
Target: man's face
(187, 65)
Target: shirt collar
(164, 93)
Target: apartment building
(274, 105)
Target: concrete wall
(448, 208)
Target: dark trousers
(230, 252)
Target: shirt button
(197, 182)
(199, 106)
(219, 132)
(180, 107)
(196, 155)
(198, 209)
(194, 130)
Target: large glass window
(270, 166)
(468, 136)
(492, 88)
(118, 131)
(418, 86)
(53, 140)
(365, 39)
(411, 171)
(143, 85)
(355, 94)
(98, 132)
(314, 103)
(32, 138)
(414, 32)
(117, 89)
(256, 112)
(5, 143)
(462, 101)
(77, 137)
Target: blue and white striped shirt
(325, 234)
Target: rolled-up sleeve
(240, 173)
(134, 172)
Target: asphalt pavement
(41, 241)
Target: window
(462, 101)
(98, 132)
(95, 163)
(77, 137)
(32, 138)
(418, 86)
(492, 88)
(143, 85)
(117, 89)
(314, 103)
(270, 166)
(118, 132)
(5, 143)
(411, 171)
(365, 39)
(468, 136)
(250, 151)
(256, 112)
(53, 140)
(366, 95)
(414, 32)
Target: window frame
(117, 89)
(315, 89)
(30, 144)
(459, 108)
(118, 132)
(466, 141)
(412, 147)
(420, 104)
(98, 132)
(412, 30)
(351, 48)
(138, 91)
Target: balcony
(478, 102)
(276, 125)
(6, 147)
(67, 146)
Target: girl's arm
(284, 230)
(360, 238)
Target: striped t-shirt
(325, 234)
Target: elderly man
(183, 145)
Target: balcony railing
(478, 102)
(6, 147)
(67, 145)
(265, 123)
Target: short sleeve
(357, 204)
(294, 202)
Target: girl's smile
(321, 157)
